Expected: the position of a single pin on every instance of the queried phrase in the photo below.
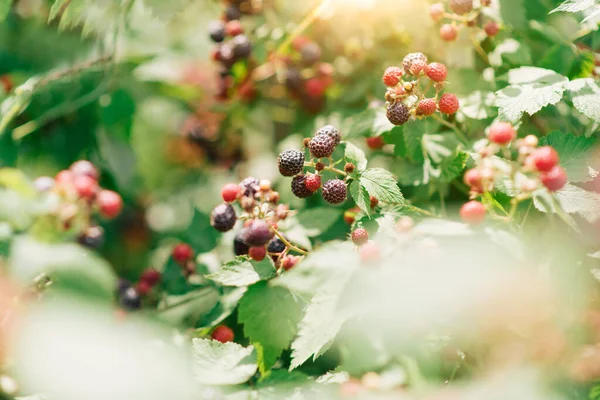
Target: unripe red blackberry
(448, 103)
(360, 236)
(150, 276)
(288, 262)
(83, 167)
(299, 188)
(397, 113)
(391, 76)
(222, 334)
(334, 191)
(491, 28)
(545, 158)
(257, 233)
(321, 146)
(555, 179)
(473, 212)
(448, 32)
(276, 245)
(330, 131)
(290, 162)
(109, 203)
(85, 186)
(375, 142)
(426, 107)
(413, 63)
(223, 217)
(437, 72)
(315, 87)
(313, 182)
(501, 133)
(249, 186)
(234, 28)
(257, 253)
(436, 11)
(230, 192)
(460, 7)
(474, 179)
(240, 247)
(182, 253)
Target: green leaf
(575, 200)
(585, 94)
(5, 6)
(451, 167)
(574, 152)
(320, 218)
(530, 90)
(371, 122)
(217, 363)
(396, 137)
(513, 13)
(270, 316)
(243, 272)
(356, 156)
(478, 105)
(223, 309)
(511, 52)
(319, 326)
(15, 179)
(413, 136)
(583, 66)
(361, 197)
(93, 16)
(573, 6)
(380, 183)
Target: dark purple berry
(216, 31)
(293, 79)
(130, 299)
(232, 12)
(321, 146)
(122, 286)
(334, 191)
(330, 131)
(276, 245)
(93, 237)
(240, 247)
(241, 46)
(398, 113)
(310, 53)
(227, 55)
(249, 186)
(291, 162)
(257, 233)
(223, 217)
(299, 189)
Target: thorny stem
(288, 244)
(461, 136)
(57, 75)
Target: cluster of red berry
(534, 167)
(306, 77)
(291, 162)
(78, 196)
(130, 296)
(407, 98)
(259, 236)
(232, 46)
(463, 13)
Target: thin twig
(288, 244)
(57, 75)
(461, 136)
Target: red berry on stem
(109, 203)
(84, 167)
(288, 262)
(392, 76)
(313, 182)
(143, 287)
(436, 11)
(375, 142)
(448, 32)
(360, 236)
(64, 177)
(85, 186)
(230, 192)
(491, 28)
(234, 28)
(555, 179)
(501, 133)
(472, 212)
(182, 253)
(150, 276)
(437, 72)
(545, 158)
(426, 107)
(315, 87)
(473, 179)
(222, 334)
(448, 103)
(257, 253)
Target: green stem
(420, 211)
(288, 244)
(461, 136)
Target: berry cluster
(462, 13)
(258, 236)
(306, 77)
(292, 163)
(408, 87)
(183, 254)
(232, 46)
(78, 195)
(533, 167)
(130, 296)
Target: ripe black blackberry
(232, 12)
(310, 53)
(227, 54)
(241, 46)
(223, 217)
(249, 186)
(257, 233)
(93, 237)
(293, 79)
(240, 247)
(330, 131)
(299, 189)
(276, 245)
(334, 191)
(216, 30)
(397, 113)
(130, 299)
(290, 162)
(461, 6)
(321, 146)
